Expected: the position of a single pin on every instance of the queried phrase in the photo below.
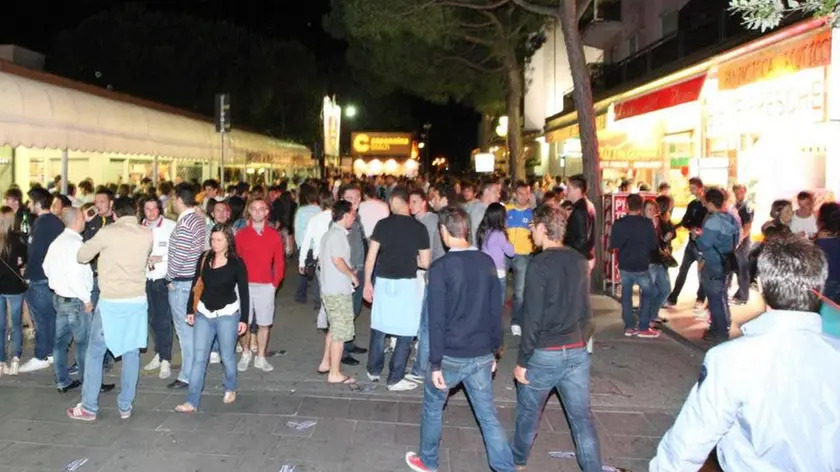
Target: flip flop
(347, 381)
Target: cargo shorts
(340, 316)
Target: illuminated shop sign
(391, 144)
(797, 98)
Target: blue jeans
(160, 317)
(179, 295)
(93, 370)
(40, 300)
(16, 312)
(503, 283)
(303, 285)
(661, 286)
(477, 376)
(519, 266)
(399, 359)
(421, 364)
(715, 287)
(71, 322)
(357, 306)
(646, 313)
(568, 371)
(224, 329)
(742, 256)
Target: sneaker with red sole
(412, 459)
(631, 332)
(649, 333)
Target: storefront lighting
(391, 166)
(421, 145)
(502, 128)
(350, 111)
(374, 167)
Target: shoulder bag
(15, 272)
(198, 288)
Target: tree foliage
(470, 51)
(767, 14)
(184, 61)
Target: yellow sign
(390, 144)
(573, 130)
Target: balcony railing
(607, 10)
(672, 53)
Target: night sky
(34, 24)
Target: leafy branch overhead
(768, 14)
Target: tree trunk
(485, 131)
(513, 104)
(582, 95)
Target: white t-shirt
(807, 225)
(370, 212)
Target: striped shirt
(186, 245)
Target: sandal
(229, 398)
(323, 372)
(185, 408)
(346, 381)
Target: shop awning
(40, 114)
(677, 94)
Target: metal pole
(222, 160)
(65, 170)
(156, 170)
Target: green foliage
(768, 14)
(439, 50)
(184, 61)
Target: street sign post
(222, 127)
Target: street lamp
(350, 111)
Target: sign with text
(332, 127)
(794, 99)
(683, 92)
(614, 208)
(806, 52)
(381, 144)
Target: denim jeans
(643, 280)
(421, 364)
(160, 317)
(503, 283)
(303, 285)
(519, 266)
(357, 306)
(179, 295)
(71, 322)
(568, 371)
(224, 329)
(16, 313)
(661, 285)
(689, 258)
(399, 359)
(477, 376)
(715, 288)
(742, 256)
(93, 370)
(40, 300)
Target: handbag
(310, 264)
(198, 288)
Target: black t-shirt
(400, 238)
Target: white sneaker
(238, 348)
(34, 364)
(242, 366)
(415, 378)
(262, 364)
(402, 386)
(515, 330)
(154, 364)
(215, 358)
(372, 378)
(165, 370)
(50, 360)
(4, 369)
(14, 366)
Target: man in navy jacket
(465, 333)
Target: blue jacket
(721, 232)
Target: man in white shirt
(157, 288)
(73, 284)
(767, 401)
(372, 210)
(804, 222)
(315, 230)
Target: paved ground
(637, 387)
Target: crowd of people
(104, 270)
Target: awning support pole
(65, 170)
(155, 171)
(222, 160)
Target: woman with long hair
(216, 311)
(12, 288)
(828, 239)
(781, 214)
(492, 239)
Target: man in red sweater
(261, 247)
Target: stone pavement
(637, 388)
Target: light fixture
(421, 145)
(350, 111)
(502, 128)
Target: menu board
(615, 207)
